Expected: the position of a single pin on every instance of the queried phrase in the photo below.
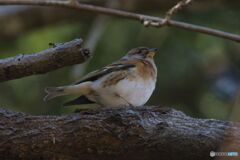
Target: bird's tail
(53, 92)
(80, 89)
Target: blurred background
(198, 74)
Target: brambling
(129, 81)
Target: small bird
(129, 81)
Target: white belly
(125, 92)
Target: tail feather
(80, 89)
(53, 92)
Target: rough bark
(58, 56)
(122, 133)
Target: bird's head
(142, 53)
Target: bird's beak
(152, 52)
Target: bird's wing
(92, 76)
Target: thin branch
(145, 19)
(58, 56)
(180, 5)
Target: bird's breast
(145, 69)
(124, 90)
(129, 87)
(136, 92)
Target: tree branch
(123, 133)
(180, 5)
(146, 20)
(58, 56)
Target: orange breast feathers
(145, 68)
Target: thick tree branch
(146, 20)
(123, 133)
(58, 56)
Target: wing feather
(92, 76)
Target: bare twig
(177, 8)
(146, 20)
(58, 56)
(173, 11)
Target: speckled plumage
(129, 81)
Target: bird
(129, 81)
